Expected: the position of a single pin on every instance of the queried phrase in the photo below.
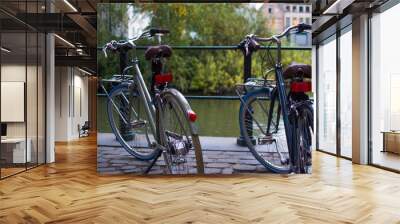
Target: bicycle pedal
(266, 140)
(180, 160)
(138, 124)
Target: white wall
(71, 102)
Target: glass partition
(22, 77)
(13, 92)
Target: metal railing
(246, 68)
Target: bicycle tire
(134, 150)
(173, 99)
(268, 160)
(303, 127)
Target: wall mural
(172, 97)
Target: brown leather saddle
(161, 51)
(296, 70)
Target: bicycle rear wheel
(268, 147)
(129, 121)
(183, 154)
(304, 125)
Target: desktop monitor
(3, 130)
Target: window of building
(287, 8)
(270, 10)
(300, 8)
(346, 93)
(294, 21)
(307, 8)
(301, 20)
(287, 22)
(308, 21)
(326, 96)
(385, 89)
(294, 8)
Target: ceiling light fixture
(84, 71)
(5, 49)
(65, 41)
(337, 7)
(70, 5)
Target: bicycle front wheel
(268, 145)
(129, 121)
(183, 150)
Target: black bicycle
(264, 103)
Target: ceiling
(75, 21)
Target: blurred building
(281, 16)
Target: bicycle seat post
(158, 36)
(123, 62)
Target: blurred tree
(200, 71)
(112, 25)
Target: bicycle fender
(184, 104)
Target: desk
(15, 148)
(391, 141)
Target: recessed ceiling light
(5, 50)
(65, 41)
(338, 6)
(70, 5)
(84, 71)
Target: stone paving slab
(221, 155)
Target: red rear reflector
(300, 87)
(163, 78)
(192, 115)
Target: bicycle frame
(283, 102)
(145, 96)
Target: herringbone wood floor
(70, 191)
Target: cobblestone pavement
(221, 156)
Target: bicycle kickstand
(153, 162)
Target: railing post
(126, 131)
(246, 75)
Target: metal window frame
(340, 28)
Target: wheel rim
(270, 148)
(130, 125)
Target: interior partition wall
(22, 77)
(334, 93)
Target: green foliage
(112, 25)
(199, 71)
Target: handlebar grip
(154, 31)
(302, 27)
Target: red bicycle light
(192, 115)
(163, 78)
(300, 87)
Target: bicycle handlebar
(125, 45)
(275, 38)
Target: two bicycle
(160, 122)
